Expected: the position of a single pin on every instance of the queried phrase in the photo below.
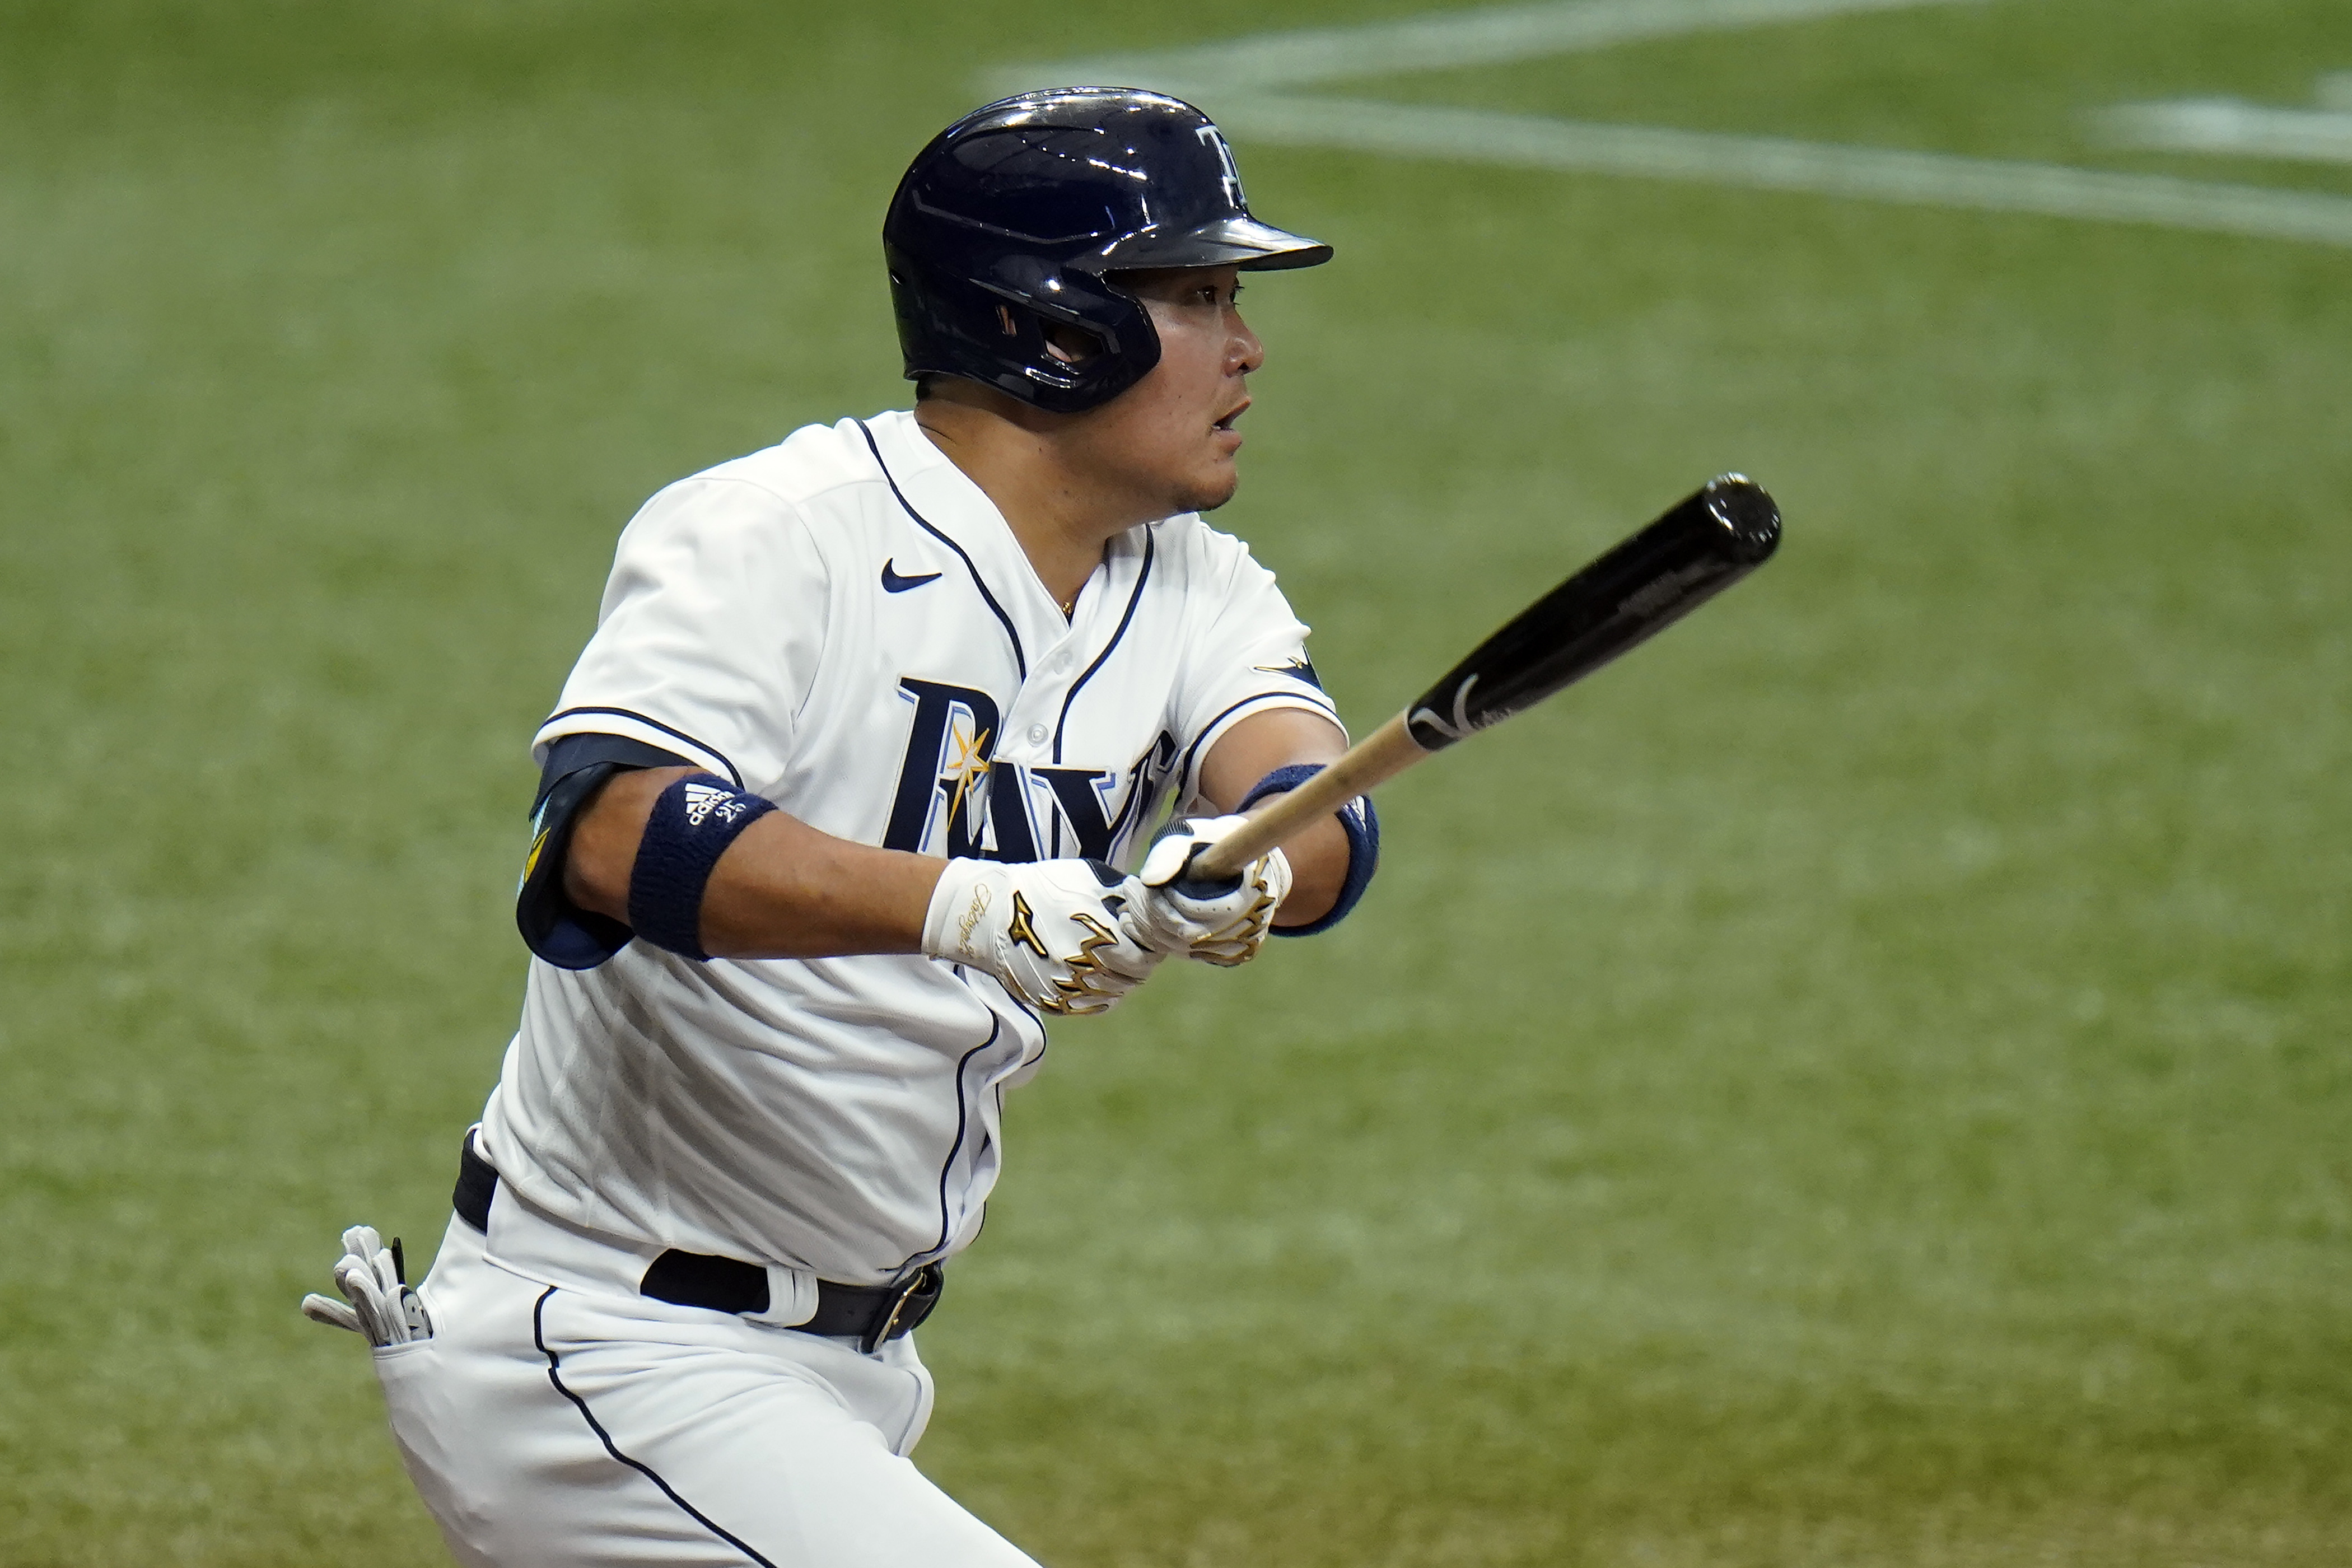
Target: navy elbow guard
(552, 926)
(578, 768)
(1357, 819)
(693, 822)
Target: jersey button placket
(1047, 693)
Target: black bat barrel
(1644, 585)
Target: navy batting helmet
(1009, 221)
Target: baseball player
(862, 776)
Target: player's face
(1171, 435)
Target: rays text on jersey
(956, 797)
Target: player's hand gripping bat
(1644, 585)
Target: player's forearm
(786, 890)
(782, 889)
(1255, 748)
(1318, 868)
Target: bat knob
(1195, 881)
(1747, 514)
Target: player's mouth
(1226, 426)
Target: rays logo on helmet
(1215, 139)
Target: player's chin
(1209, 489)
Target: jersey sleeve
(1248, 655)
(707, 639)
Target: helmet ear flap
(1048, 347)
(1077, 364)
(1062, 342)
(1073, 346)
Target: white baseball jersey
(844, 625)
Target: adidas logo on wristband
(701, 800)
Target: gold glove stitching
(1084, 965)
(972, 912)
(1020, 931)
(1248, 929)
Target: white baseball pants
(557, 1419)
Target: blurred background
(1863, 1081)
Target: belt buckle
(923, 1282)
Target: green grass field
(1863, 1083)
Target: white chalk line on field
(1438, 41)
(1764, 163)
(1252, 81)
(2232, 126)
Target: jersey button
(1037, 733)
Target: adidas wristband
(693, 822)
(1357, 819)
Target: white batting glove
(1049, 928)
(1225, 928)
(381, 1307)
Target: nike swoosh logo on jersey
(894, 583)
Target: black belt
(873, 1313)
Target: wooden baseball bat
(1700, 548)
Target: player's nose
(1243, 353)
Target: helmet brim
(1238, 241)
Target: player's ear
(1070, 344)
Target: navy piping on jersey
(1043, 1045)
(1184, 766)
(555, 1377)
(1019, 659)
(1151, 548)
(963, 1119)
(1026, 1063)
(733, 773)
(1010, 996)
(1028, 1012)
